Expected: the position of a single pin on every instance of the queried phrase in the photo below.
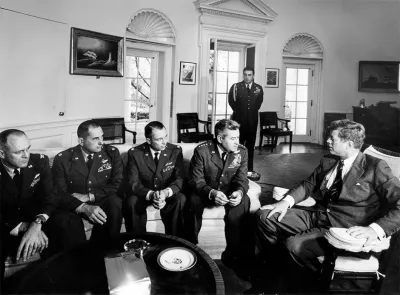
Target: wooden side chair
(114, 129)
(188, 128)
(272, 126)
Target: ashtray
(177, 259)
(254, 176)
(137, 246)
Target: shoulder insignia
(76, 158)
(41, 156)
(72, 151)
(132, 148)
(179, 147)
(60, 154)
(30, 166)
(99, 156)
(112, 148)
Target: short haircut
(349, 130)
(248, 68)
(6, 133)
(148, 129)
(225, 124)
(83, 128)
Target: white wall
(348, 30)
(88, 97)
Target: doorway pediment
(249, 10)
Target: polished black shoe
(254, 176)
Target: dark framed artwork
(378, 76)
(96, 54)
(272, 78)
(187, 73)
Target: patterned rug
(286, 170)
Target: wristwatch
(40, 219)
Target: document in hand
(127, 274)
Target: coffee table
(82, 270)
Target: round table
(82, 270)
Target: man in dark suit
(155, 176)
(352, 190)
(92, 174)
(217, 176)
(30, 219)
(245, 99)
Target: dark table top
(82, 270)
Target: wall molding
(303, 45)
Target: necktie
(336, 187)
(17, 179)
(156, 158)
(89, 162)
(248, 88)
(224, 154)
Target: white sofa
(212, 237)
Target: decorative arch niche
(151, 25)
(303, 45)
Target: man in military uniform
(245, 99)
(155, 176)
(92, 173)
(217, 176)
(30, 219)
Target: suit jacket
(37, 195)
(208, 172)
(370, 193)
(245, 106)
(72, 175)
(143, 175)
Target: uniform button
(155, 185)
(328, 210)
(90, 182)
(71, 181)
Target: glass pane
(233, 61)
(144, 67)
(290, 110)
(301, 125)
(131, 68)
(143, 86)
(301, 110)
(221, 81)
(302, 93)
(220, 104)
(220, 117)
(232, 78)
(210, 81)
(291, 76)
(290, 93)
(210, 104)
(303, 77)
(222, 60)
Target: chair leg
(290, 144)
(274, 140)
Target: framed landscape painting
(378, 76)
(272, 78)
(96, 54)
(187, 73)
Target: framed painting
(272, 78)
(187, 73)
(96, 54)
(378, 76)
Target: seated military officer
(30, 220)
(155, 176)
(92, 173)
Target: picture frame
(187, 73)
(378, 76)
(272, 77)
(96, 54)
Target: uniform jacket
(208, 172)
(143, 176)
(245, 106)
(71, 175)
(370, 193)
(37, 196)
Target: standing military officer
(217, 176)
(30, 219)
(92, 173)
(155, 176)
(245, 99)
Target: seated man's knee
(195, 204)
(294, 245)
(178, 198)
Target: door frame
(165, 78)
(316, 110)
